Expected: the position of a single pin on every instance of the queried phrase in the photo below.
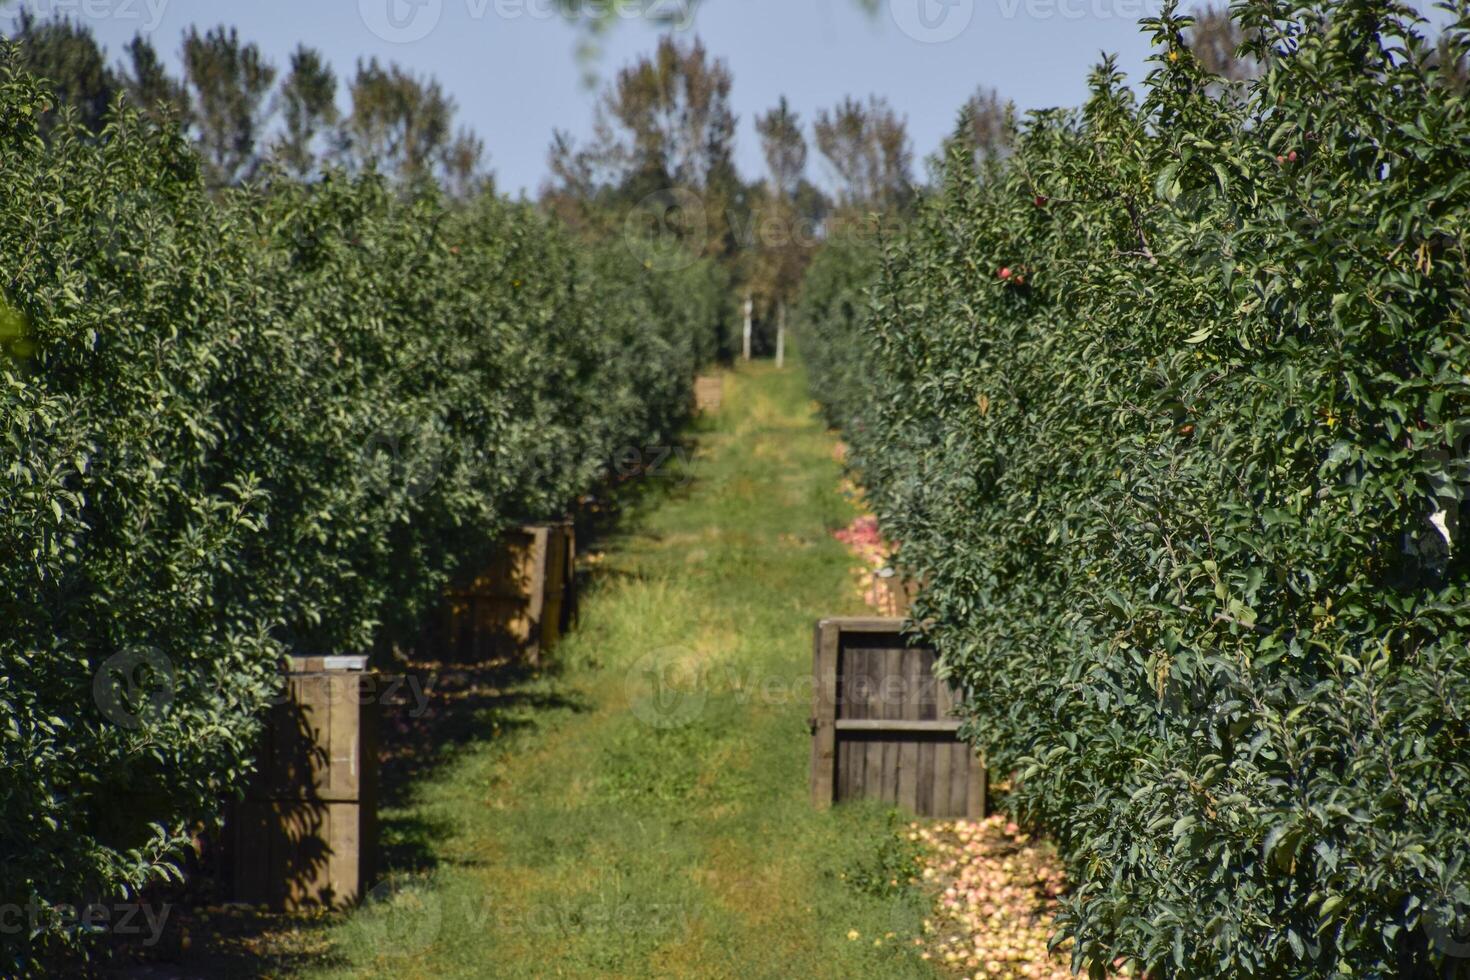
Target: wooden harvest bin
(522, 603)
(306, 834)
(709, 393)
(884, 727)
(896, 592)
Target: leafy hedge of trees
(1168, 410)
(262, 421)
(230, 94)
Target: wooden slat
(939, 801)
(313, 746)
(959, 778)
(515, 604)
(559, 587)
(569, 581)
(872, 787)
(843, 708)
(978, 787)
(924, 785)
(890, 696)
(299, 855)
(854, 666)
(908, 756)
(536, 607)
(824, 715)
(943, 699)
(898, 726)
(928, 699)
(862, 624)
(853, 663)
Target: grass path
(662, 829)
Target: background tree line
(661, 155)
(662, 148)
(243, 111)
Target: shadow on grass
(451, 708)
(441, 710)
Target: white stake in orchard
(781, 335)
(749, 312)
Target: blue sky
(513, 68)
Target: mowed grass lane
(663, 828)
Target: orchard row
(1169, 410)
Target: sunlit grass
(667, 831)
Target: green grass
(657, 823)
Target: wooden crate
(521, 602)
(319, 742)
(709, 393)
(884, 727)
(306, 834)
(296, 855)
(895, 592)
